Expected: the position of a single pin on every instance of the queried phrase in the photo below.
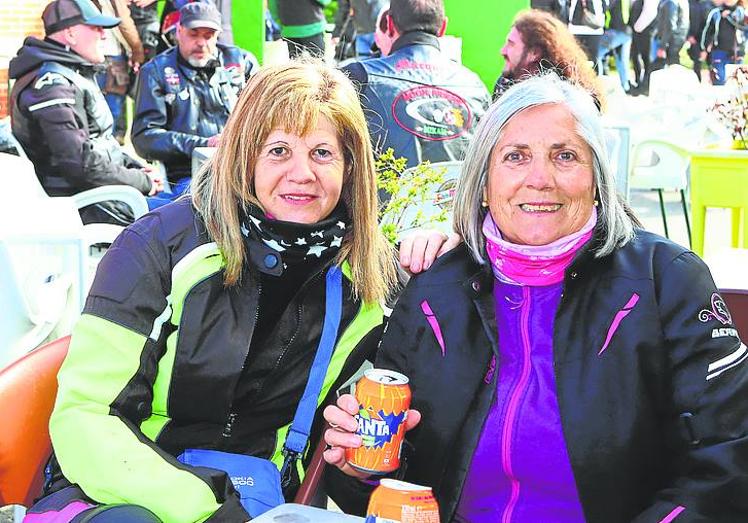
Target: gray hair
(615, 227)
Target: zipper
(515, 397)
(231, 419)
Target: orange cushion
(27, 395)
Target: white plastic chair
(45, 261)
(618, 144)
(661, 165)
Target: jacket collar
(415, 38)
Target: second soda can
(383, 400)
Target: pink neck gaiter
(531, 264)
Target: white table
(293, 513)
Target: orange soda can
(383, 401)
(396, 501)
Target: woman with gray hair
(565, 365)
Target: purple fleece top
(520, 471)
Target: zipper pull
(229, 423)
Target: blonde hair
(293, 97)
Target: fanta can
(396, 501)
(383, 401)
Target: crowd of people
(565, 364)
(650, 34)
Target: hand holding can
(343, 436)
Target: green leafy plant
(410, 191)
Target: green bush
(407, 188)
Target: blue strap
(298, 434)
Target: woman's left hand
(421, 247)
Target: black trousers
(641, 46)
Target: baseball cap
(200, 14)
(61, 14)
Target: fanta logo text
(243, 481)
(377, 428)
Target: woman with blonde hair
(195, 347)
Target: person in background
(698, 11)
(226, 36)
(538, 41)
(145, 15)
(672, 30)
(642, 21)
(565, 365)
(204, 317)
(355, 21)
(722, 40)
(382, 39)
(185, 95)
(586, 21)
(617, 40)
(60, 116)
(302, 25)
(417, 100)
(124, 54)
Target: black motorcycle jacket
(178, 107)
(62, 120)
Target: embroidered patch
(724, 333)
(719, 311)
(171, 76)
(432, 113)
(235, 72)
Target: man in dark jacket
(60, 116)
(185, 95)
(721, 39)
(672, 29)
(418, 101)
(698, 10)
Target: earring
(484, 203)
(596, 203)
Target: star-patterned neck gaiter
(298, 242)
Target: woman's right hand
(342, 434)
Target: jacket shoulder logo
(49, 78)
(718, 312)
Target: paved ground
(6, 515)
